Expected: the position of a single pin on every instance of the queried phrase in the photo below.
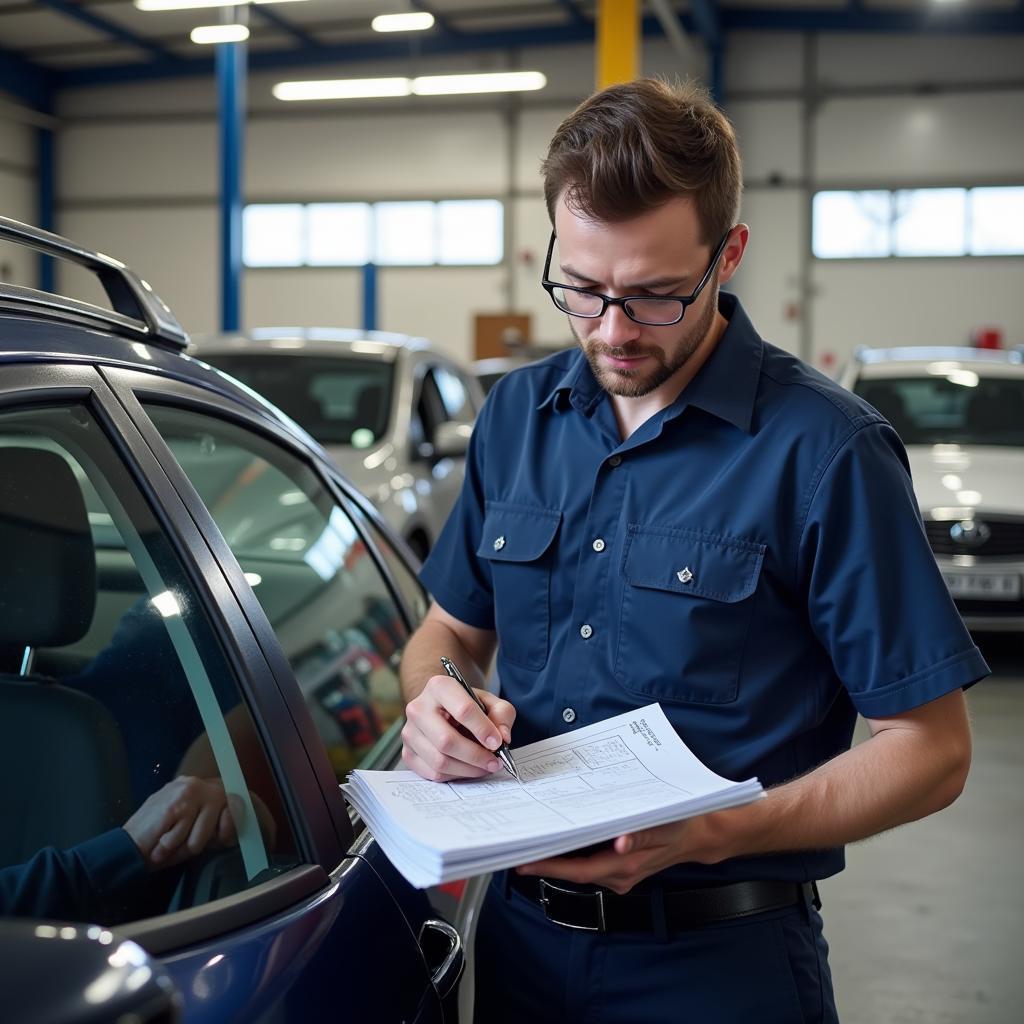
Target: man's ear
(732, 254)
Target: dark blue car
(192, 601)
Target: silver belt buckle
(545, 902)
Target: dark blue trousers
(769, 968)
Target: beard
(668, 358)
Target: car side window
(430, 406)
(412, 591)
(319, 584)
(454, 395)
(119, 709)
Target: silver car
(394, 413)
(960, 413)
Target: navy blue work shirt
(752, 558)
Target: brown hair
(631, 148)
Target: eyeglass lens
(648, 311)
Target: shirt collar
(725, 386)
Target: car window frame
(209, 401)
(60, 384)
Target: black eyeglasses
(650, 310)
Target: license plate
(991, 586)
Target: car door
(318, 595)
(298, 913)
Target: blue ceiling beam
(28, 82)
(796, 20)
(271, 17)
(575, 15)
(109, 28)
(705, 17)
(855, 18)
(439, 21)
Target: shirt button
(586, 631)
(568, 715)
(598, 545)
(499, 543)
(615, 460)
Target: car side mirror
(80, 973)
(451, 441)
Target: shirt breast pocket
(517, 542)
(687, 602)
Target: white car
(960, 413)
(393, 412)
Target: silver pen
(502, 753)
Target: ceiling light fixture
(427, 85)
(415, 21)
(195, 5)
(207, 34)
(343, 89)
(499, 81)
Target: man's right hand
(446, 736)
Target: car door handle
(442, 947)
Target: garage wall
(18, 193)
(146, 189)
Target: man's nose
(617, 328)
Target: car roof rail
(136, 309)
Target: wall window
(452, 233)
(918, 222)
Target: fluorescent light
(500, 81)
(194, 5)
(343, 89)
(430, 85)
(416, 21)
(204, 34)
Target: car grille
(1005, 538)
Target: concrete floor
(927, 922)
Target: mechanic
(678, 511)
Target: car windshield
(339, 400)
(951, 405)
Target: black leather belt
(599, 910)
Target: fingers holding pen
(447, 735)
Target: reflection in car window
(338, 399)
(411, 589)
(112, 684)
(953, 404)
(318, 583)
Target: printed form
(625, 773)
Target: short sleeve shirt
(752, 558)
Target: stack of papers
(617, 776)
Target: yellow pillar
(618, 41)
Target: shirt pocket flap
(692, 562)
(517, 533)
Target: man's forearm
(896, 776)
(422, 658)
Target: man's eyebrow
(640, 286)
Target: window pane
(849, 225)
(319, 585)
(339, 400)
(339, 234)
(470, 231)
(997, 221)
(130, 690)
(930, 222)
(272, 235)
(405, 234)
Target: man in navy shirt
(680, 512)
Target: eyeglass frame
(607, 300)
